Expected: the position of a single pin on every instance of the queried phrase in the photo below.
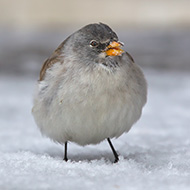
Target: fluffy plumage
(85, 96)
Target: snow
(155, 154)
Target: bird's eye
(93, 43)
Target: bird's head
(95, 42)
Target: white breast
(87, 108)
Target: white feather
(85, 105)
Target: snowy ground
(155, 154)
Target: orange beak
(114, 49)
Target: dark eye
(93, 43)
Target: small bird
(89, 89)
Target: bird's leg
(113, 150)
(65, 155)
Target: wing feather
(54, 58)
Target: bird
(89, 90)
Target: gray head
(94, 42)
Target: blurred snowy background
(155, 154)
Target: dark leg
(65, 156)
(113, 150)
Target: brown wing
(56, 57)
